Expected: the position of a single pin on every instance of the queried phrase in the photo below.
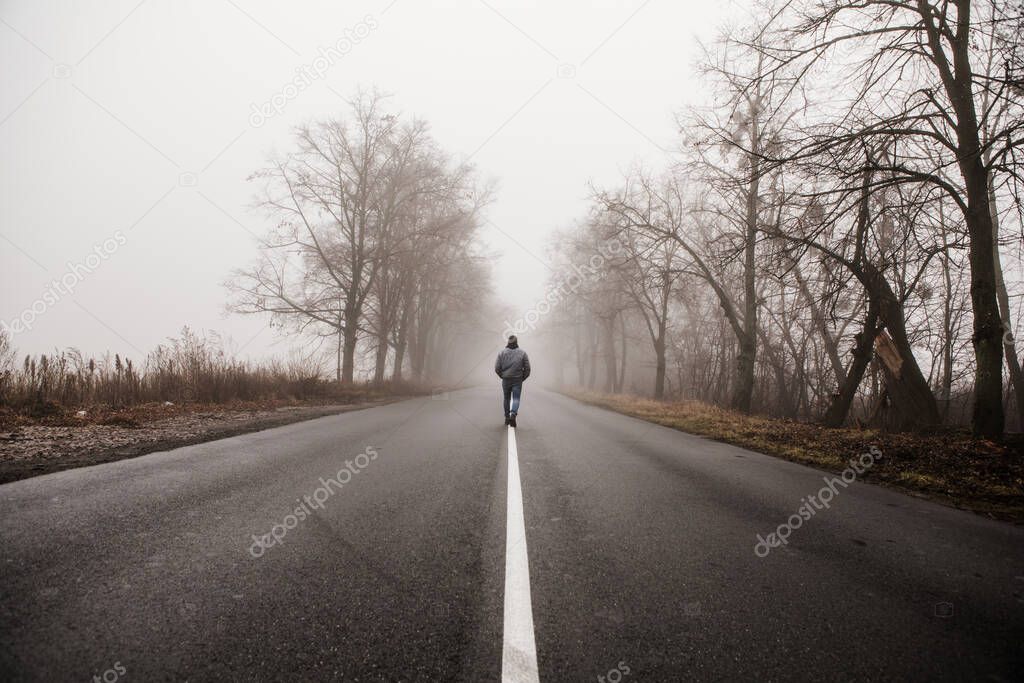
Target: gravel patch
(31, 450)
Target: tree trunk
(380, 361)
(417, 352)
(337, 366)
(351, 327)
(659, 370)
(777, 363)
(1012, 362)
(659, 362)
(786, 405)
(621, 381)
(837, 412)
(396, 373)
(401, 341)
(818, 316)
(912, 397)
(743, 390)
(744, 387)
(988, 329)
(948, 332)
(957, 80)
(348, 358)
(426, 323)
(988, 416)
(610, 364)
(592, 373)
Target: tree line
(838, 237)
(374, 250)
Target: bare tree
(913, 80)
(372, 220)
(731, 140)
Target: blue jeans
(513, 389)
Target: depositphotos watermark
(314, 501)
(569, 286)
(821, 500)
(307, 74)
(65, 286)
(111, 675)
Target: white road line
(519, 651)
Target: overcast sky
(131, 124)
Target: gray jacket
(512, 363)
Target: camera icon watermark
(566, 71)
(439, 395)
(188, 179)
(61, 71)
(616, 674)
(944, 610)
(112, 674)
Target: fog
(391, 184)
(136, 119)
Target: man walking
(513, 367)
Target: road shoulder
(33, 450)
(947, 467)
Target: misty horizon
(152, 145)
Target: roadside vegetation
(948, 465)
(189, 373)
(837, 237)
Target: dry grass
(949, 465)
(141, 414)
(190, 373)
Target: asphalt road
(640, 544)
